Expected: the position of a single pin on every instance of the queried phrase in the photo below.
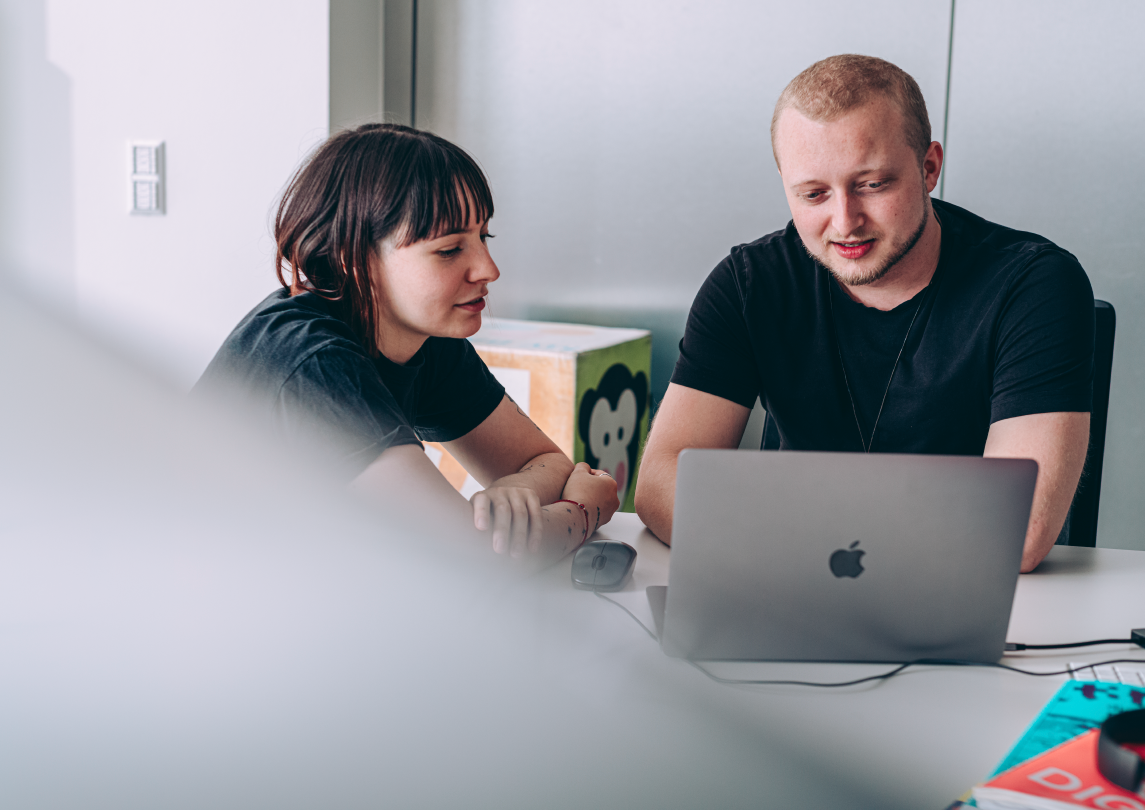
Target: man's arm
(686, 418)
(1058, 442)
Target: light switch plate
(147, 171)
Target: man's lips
(853, 250)
(476, 305)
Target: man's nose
(847, 218)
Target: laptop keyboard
(1132, 674)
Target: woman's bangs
(453, 198)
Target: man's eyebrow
(862, 172)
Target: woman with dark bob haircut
(362, 352)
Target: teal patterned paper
(1077, 707)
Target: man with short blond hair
(880, 320)
(830, 88)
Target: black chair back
(1081, 529)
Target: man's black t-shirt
(1004, 329)
(297, 361)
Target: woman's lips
(853, 250)
(476, 305)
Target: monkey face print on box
(609, 424)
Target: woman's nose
(484, 269)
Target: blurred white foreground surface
(191, 619)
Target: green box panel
(612, 411)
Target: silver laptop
(789, 556)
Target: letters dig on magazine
(1063, 778)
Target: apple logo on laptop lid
(846, 561)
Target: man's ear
(932, 165)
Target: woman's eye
(486, 236)
(449, 252)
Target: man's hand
(514, 514)
(1058, 442)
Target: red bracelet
(584, 509)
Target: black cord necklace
(850, 395)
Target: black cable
(736, 681)
(630, 613)
(1067, 670)
(936, 662)
(890, 673)
(1018, 647)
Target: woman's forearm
(545, 475)
(526, 512)
(564, 530)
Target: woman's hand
(520, 525)
(596, 489)
(514, 514)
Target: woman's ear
(374, 260)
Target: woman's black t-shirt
(294, 358)
(1004, 329)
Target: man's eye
(812, 196)
(875, 185)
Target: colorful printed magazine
(1062, 778)
(1077, 707)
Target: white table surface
(933, 731)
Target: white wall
(239, 92)
(35, 155)
(627, 142)
(1047, 106)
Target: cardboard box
(586, 387)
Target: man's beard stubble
(898, 253)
